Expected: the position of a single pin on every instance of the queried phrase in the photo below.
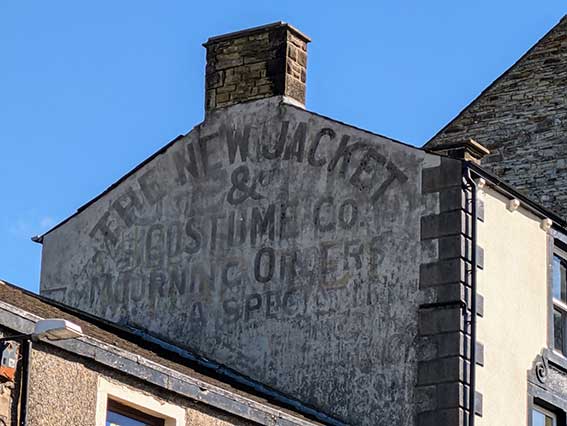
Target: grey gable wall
(522, 119)
(278, 242)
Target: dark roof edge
(360, 129)
(230, 376)
(508, 190)
(491, 85)
(39, 238)
(263, 390)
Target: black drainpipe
(472, 378)
(25, 381)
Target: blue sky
(90, 89)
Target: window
(118, 414)
(121, 405)
(559, 278)
(541, 417)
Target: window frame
(558, 304)
(172, 415)
(545, 412)
(132, 413)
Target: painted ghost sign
(271, 239)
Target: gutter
(471, 184)
(527, 203)
(166, 378)
(243, 380)
(25, 392)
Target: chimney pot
(256, 63)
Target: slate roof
(459, 123)
(521, 118)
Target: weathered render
(273, 240)
(66, 391)
(522, 119)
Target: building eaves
(181, 371)
(502, 187)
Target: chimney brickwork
(256, 63)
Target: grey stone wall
(444, 343)
(522, 119)
(278, 242)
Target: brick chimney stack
(256, 63)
